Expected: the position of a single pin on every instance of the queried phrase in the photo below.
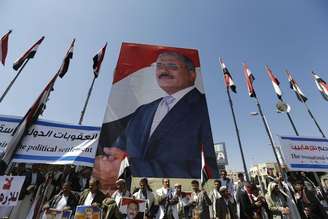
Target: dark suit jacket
(99, 197)
(173, 150)
(245, 205)
(223, 209)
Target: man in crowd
(270, 177)
(145, 193)
(183, 202)
(92, 196)
(120, 192)
(64, 200)
(167, 202)
(246, 202)
(224, 207)
(215, 195)
(227, 182)
(277, 201)
(200, 201)
(307, 198)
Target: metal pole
(269, 134)
(292, 123)
(13, 81)
(87, 100)
(282, 173)
(238, 136)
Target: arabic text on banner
(52, 142)
(305, 154)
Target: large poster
(305, 154)
(156, 115)
(52, 142)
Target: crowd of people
(66, 188)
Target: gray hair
(187, 61)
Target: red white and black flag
(227, 77)
(249, 80)
(29, 54)
(205, 171)
(97, 60)
(27, 121)
(4, 47)
(275, 82)
(294, 86)
(69, 55)
(322, 85)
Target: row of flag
(320, 83)
(39, 105)
(30, 53)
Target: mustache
(166, 75)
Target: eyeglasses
(169, 66)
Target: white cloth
(150, 200)
(214, 195)
(62, 203)
(88, 200)
(117, 196)
(166, 104)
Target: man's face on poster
(173, 74)
(106, 168)
(132, 210)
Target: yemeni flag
(249, 80)
(4, 47)
(125, 171)
(97, 60)
(69, 55)
(321, 85)
(227, 77)
(29, 54)
(294, 86)
(205, 171)
(28, 120)
(275, 82)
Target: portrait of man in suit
(162, 138)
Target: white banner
(52, 142)
(10, 187)
(305, 154)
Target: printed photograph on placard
(156, 116)
(87, 212)
(132, 208)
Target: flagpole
(268, 133)
(13, 81)
(237, 133)
(87, 100)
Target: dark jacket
(72, 201)
(98, 199)
(246, 206)
(223, 209)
